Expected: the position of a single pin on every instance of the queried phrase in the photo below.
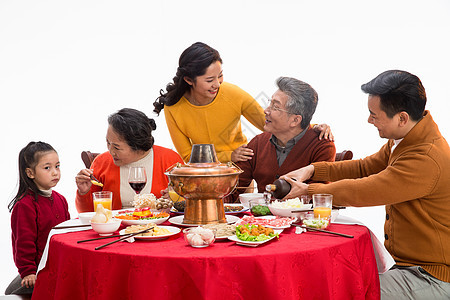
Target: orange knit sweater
(109, 174)
(414, 183)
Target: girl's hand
(325, 131)
(242, 153)
(83, 180)
(29, 281)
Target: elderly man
(410, 175)
(289, 142)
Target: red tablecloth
(306, 266)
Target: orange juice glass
(322, 204)
(322, 212)
(104, 198)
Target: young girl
(35, 210)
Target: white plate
(234, 238)
(269, 218)
(173, 231)
(144, 222)
(178, 220)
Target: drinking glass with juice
(322, 204)
(104, 198)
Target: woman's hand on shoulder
(242, 153)
(29, 281)
(83, 180)
(325, 131)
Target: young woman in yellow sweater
(202, 109)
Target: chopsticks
(304, 210)
(95, 181)
(123, 238)
(103, 237)
(71, 226)
(326, 231)
(301, 210)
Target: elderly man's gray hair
(302, 98)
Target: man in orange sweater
(410, 175)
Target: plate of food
(222, 231)
(178, 220)
(178, 207)
(234, 208)
(157, 232)
(273, 222)
(141, 216)
(254, 235)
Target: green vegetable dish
(254, 233)
(260, 210)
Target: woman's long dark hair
(29, 158)
(193, 62)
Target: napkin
(382, 256)
(71, 222)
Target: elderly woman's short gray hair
(302, 98)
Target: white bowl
(108, 228)
(287, 212)
(86, 217)
(246, 197)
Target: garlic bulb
(200, 236)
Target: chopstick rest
(325, 231)
(124, 238)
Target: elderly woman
(130, 143)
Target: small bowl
(193, 237)
(310, 221)
(259, 207)
(246, 197)
(105, 229)
(85, 217)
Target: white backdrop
(66, 65)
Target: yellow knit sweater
(414, 183)
(217, 123)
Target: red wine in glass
(137, 178)
(137, 186)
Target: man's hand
(296, 178)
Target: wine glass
(137, 178)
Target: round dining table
(310, 265)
